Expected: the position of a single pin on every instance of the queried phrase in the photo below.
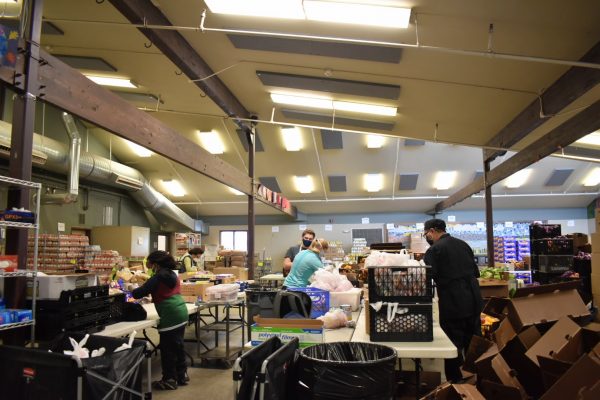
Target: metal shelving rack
(24, 272)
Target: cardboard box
(195, 288)
(595, 279)
(580, 381)
(449, 391)
(514, 354)
(308, 331)
(240, 273)
(497, 391)
(493, 287)
(554, 340)
(544, 304)
(129, 241)
(51, 285)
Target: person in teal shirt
(306, 263)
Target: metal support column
(26, 85)
(489, 216)
(250, 137)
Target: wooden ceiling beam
(570, 86)
(174, 46)
(585, 122)
(71, 91)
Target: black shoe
(182, 381)
(165, 384)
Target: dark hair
(435, 223)
(310, 232)
(196, 251)
(162, 259)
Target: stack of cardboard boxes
(232, 262)
(544, 347)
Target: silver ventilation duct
(102, 170)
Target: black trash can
(260, 301)
(346, 370)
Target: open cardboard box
(581, 381)
(545, 304)
(493, 287)
(308, 331)
(449, 391)
(497, 391)
(491, 366)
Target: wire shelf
(16, 325)
(25, 225)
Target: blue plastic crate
(319, 298)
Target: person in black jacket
(455, 274)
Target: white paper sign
(301, 227)
(420, 225)
(451, 218)
(275, 229)
(481, 225)
(390, 226)
(508, 224)
(571, 222)
(61, 226)
(329, 228)
(365, 220)
(140, 240)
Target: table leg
(217, 320)
(154, 347)
(227, 310)
(417, 377)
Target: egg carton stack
(401, 304)
(335, 252)
(101, 262)
(58, 253)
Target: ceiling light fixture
(304, 184)
(327, 11)
(329, 104)
(236, 192)
(111, 81)
(292, 139)
(591, 139)
(140, 151)
(444, 180)
(288, 9)
(211, 141)
(359, 14)
(174, 187)
(517, 179)
(593, 178)
(373, 182)
(375, 141)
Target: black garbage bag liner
(346, 370)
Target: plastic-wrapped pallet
(225, 292)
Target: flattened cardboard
(543, 304)
(580, 379)
(448, 391)
(554, 340)
(288, 322)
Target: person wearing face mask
(305, 264)
(455, 274)
(308, 235)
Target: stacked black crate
(551, 253)
(400, 301)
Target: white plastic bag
(334, 319)
(78, 348)
(127, 345)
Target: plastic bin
(411, 323)
(38, 374)
(346, 370)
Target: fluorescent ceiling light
(375, 141)
(8, 1)
(174, 187)
(236, 192)
(444, 180)
(328, 11)
(359, 14)
(328, 104)
(292, 139)
(289, 9)
(591, 139)
(593, 178)
(211, 141)
(373, 182)
(304, 184)
(108, 81)
(139, 150)
(517, 179)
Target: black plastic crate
(400, 284)
(554, 263)
(543, 231)
(556, 246)
(84, 293)
(411, 323)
